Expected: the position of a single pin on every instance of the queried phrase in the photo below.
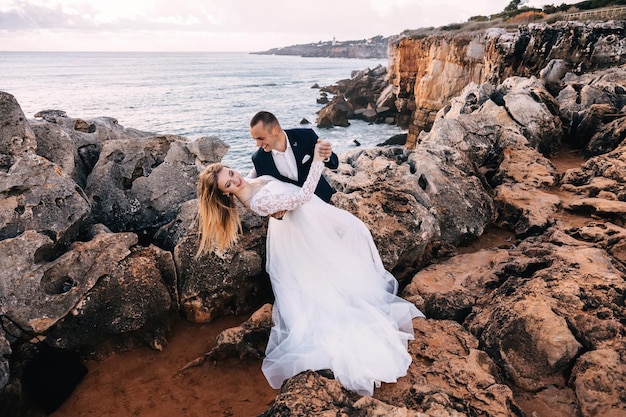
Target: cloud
(218, 24)
(29, 17)
(322, 16)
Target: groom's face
(268, 137)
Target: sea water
(189, 94)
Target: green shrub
(452, 26)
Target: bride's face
(229, 181)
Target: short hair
(265, 117)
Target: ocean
(189, 94)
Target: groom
(287, 154)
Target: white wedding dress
(335, 304)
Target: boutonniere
(294, 144)
(306, 158)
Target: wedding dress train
(335, 304)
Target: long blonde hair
(218, 220)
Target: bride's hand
(320, 147)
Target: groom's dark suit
(302, 143)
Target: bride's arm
(267, 203)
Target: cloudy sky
(220, 25)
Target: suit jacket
(302, 143)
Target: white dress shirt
(286, 161)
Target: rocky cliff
(427, 72)
(375, 47)
(98, 236)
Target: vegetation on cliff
(516, 13)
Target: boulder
(98, 296)
(367, 95)
(552, 75)
(98, 129)
(75, 144)
(38, 195)
(598, 379)
(448, 376)
(534, 108)
(600, 185)
(132, 305)
(54, 144)
(538, 307)
(592, 109)
(311, 394)
(469, 100)
(139, 185)
(171, 233)
(336, 113)
(380, 186)
(399, 139)
(16, 137)
(249, 340)
(608, 136)
(223, 283)
(450, 290)
(605, 235)
(48, 291)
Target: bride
(335, 304)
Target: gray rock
(38, 195)
(171, 233)
(208, 149)
(336, 113)
(380, 187)
(54, 144)
(16, 137)
(552, 75)
(532, 106)
(246, 341)
(469, 100)
(5, 352)
(216, 283)
(130, 305)
(140, 184)
(45, 292)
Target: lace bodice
(265, 202)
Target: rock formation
(66, 277)
(427, 72)
(99, 236)
(512, 330)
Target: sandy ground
(144, 382)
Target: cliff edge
(427, 72)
